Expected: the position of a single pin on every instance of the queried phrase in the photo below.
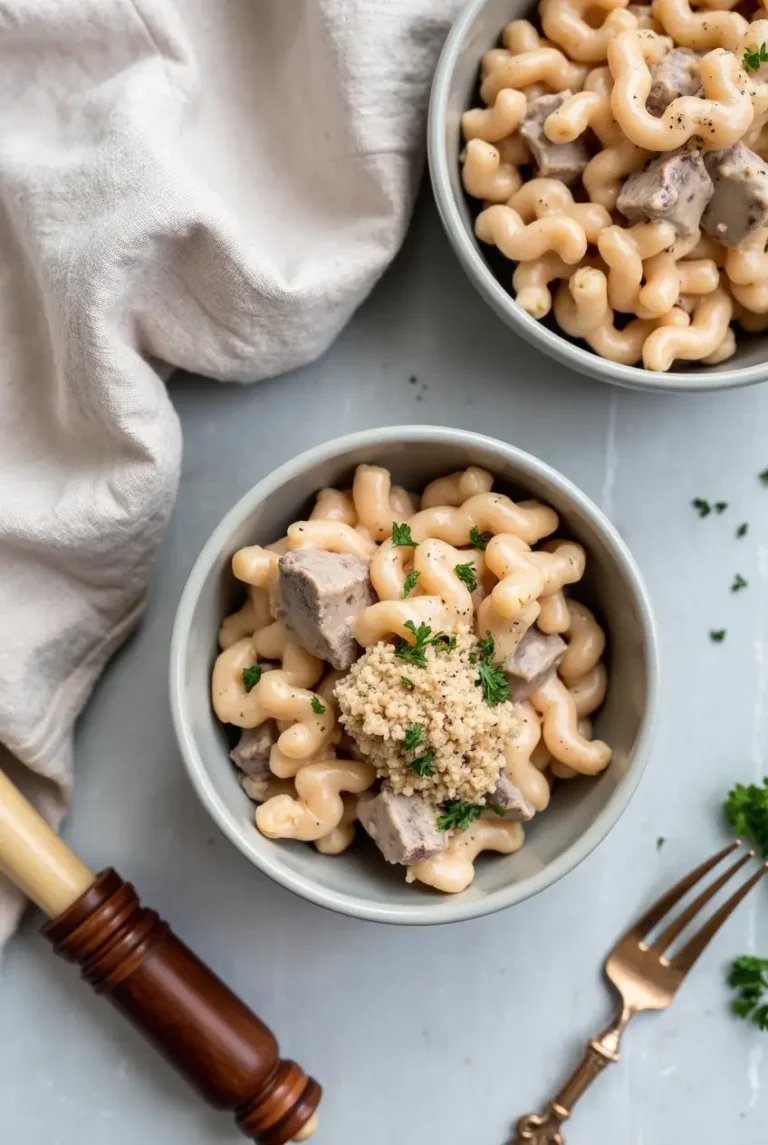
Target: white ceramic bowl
(476, 29)
(582, 812)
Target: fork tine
(656, 912)
(678, 925)
(691, 951)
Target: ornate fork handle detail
(544, 1128)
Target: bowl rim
(477, 269)
(451, 910)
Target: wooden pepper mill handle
(128, 953)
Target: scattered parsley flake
(717, 635)
(738, 582)
(702, 507)
(764, 476)
(410, 583)
(660, 842)
(477, 539)
(749, 976)
(486, 647)
(251, 676)
(423, 765)
(494, 684)
(721, 506)
(407, 683)
(414, 653)
(754, 57)
(318, 707)
(458, 813)
(444, 643)
(742, 530)
(497, 809)
(466, 574)
(413, 737)
(401, 535)
(746, 809)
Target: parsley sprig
(458, 814)
(477, 539)
(414, 737)
(746, 809)
(749, 976)
(754, 57)
(416, 653)
(466, 574)
(401, 535)
(491, 677)
(410, 583)
(251, 676)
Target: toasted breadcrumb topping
(463, 737)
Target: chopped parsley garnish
(754, 57)
(494, 684)
(416, 653)
(318, 707)
(749, 976)
(738, 582)
(413, 737)
(459, 814)
(401, 535)
(423, 765)
(491, 679)
(477, 539)
(721, 506)
(702, 507)
(410, 583)
(407, 683)
(251, 676)
(764, 476)
(660, 842)
(717, 635)
(742, 530)
(746, 809)
(497, 809)
(486, 647)
(444, 643)
(466, 574)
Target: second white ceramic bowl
(582, 812)
(476, 29)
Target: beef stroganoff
(620, 160)
(413, 665)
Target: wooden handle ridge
(130, 954)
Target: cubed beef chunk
(321, 594)
(674, 188)
(535, 658)
(677, 74)
(251, 754)
(740, 202)
(511, 799)
(564, 161)
(403, 827)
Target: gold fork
(645, 980)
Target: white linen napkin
(198, 184)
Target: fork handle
(544, 1128)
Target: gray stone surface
(400, 1024)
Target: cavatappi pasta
(620, 162)
(414, 664)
